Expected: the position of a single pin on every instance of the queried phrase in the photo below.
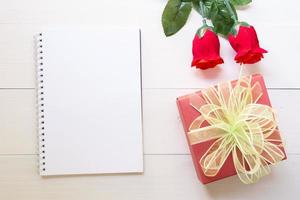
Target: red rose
(206, 50)
(246, 44)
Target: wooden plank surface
(163, 132)
(165, 177)
(171, 67)
(169, 172)
(18, 121)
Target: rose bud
(246, 44)
(206, 50)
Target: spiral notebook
(89, 101)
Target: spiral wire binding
(40, 95)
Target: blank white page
(90, 101)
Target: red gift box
(188, 114)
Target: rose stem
(203, 14)
(230, 10)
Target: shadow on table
(211, 73)
(232, 187)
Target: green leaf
(240, 2)
(207, 6)
(175, 15)
(221, 17)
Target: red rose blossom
(206, 50)
(246, 44)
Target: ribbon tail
(256, 92)
(197, 101)
(205, 134)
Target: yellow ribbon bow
(239, 125)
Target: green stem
(203, 12)
(230, 10)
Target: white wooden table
(169, 172)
